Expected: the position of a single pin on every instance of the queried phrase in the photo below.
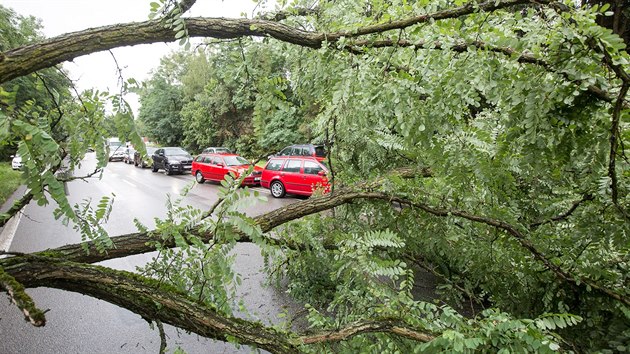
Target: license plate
(256, 179)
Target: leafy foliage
(520, 113)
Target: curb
(8, 231)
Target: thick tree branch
(524, 58)
(148, 298)
(386, 325)
(141, 242)
(21, 299)
(513, 231)
(456, 12)
(24, 60)
(614, 146)
(138, 243)
(158, 302)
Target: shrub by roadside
(10, 181)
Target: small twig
(566, 214)
(74, 88)
(83, 178)
(163, 343)
(240, 44)
(52, 96)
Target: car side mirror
(321, 173)
(220, 164)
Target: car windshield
(235, 161)
(175, 151)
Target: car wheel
(199, 177)
(135, 163)
(277, 189)
(167, 167)
(154, 168)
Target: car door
(200, 164)
(204, 167)
(215, 168)
(311, 177)
(271, 171)
(291, 176)
(221, 168)
(158, 158)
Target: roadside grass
(10, 181)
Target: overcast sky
(98, 70)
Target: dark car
(214, 167)
(294, 175)
(216, 150)
(146, 161)
(171, 160)
(312, 150)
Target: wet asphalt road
(81, 324)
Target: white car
(16, 163)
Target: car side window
(207, 159)
(285, 151)
(274, 165)
(218, 160)
(320, 151)
(312, 168)
(199, 159)
(293, 166)
(158, 151)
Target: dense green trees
(233, 94)
(497, 131)
(40, 92)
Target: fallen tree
(525, 138)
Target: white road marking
(8, 232)
(129, 183)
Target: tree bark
(148, 298)
(25, 60)
(160, 302)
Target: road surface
(81, 324)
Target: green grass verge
(9, 181)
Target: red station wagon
(294, 175)
(214, 167)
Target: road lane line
(8, 232)
(130, 183)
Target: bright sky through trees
(99, 70)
